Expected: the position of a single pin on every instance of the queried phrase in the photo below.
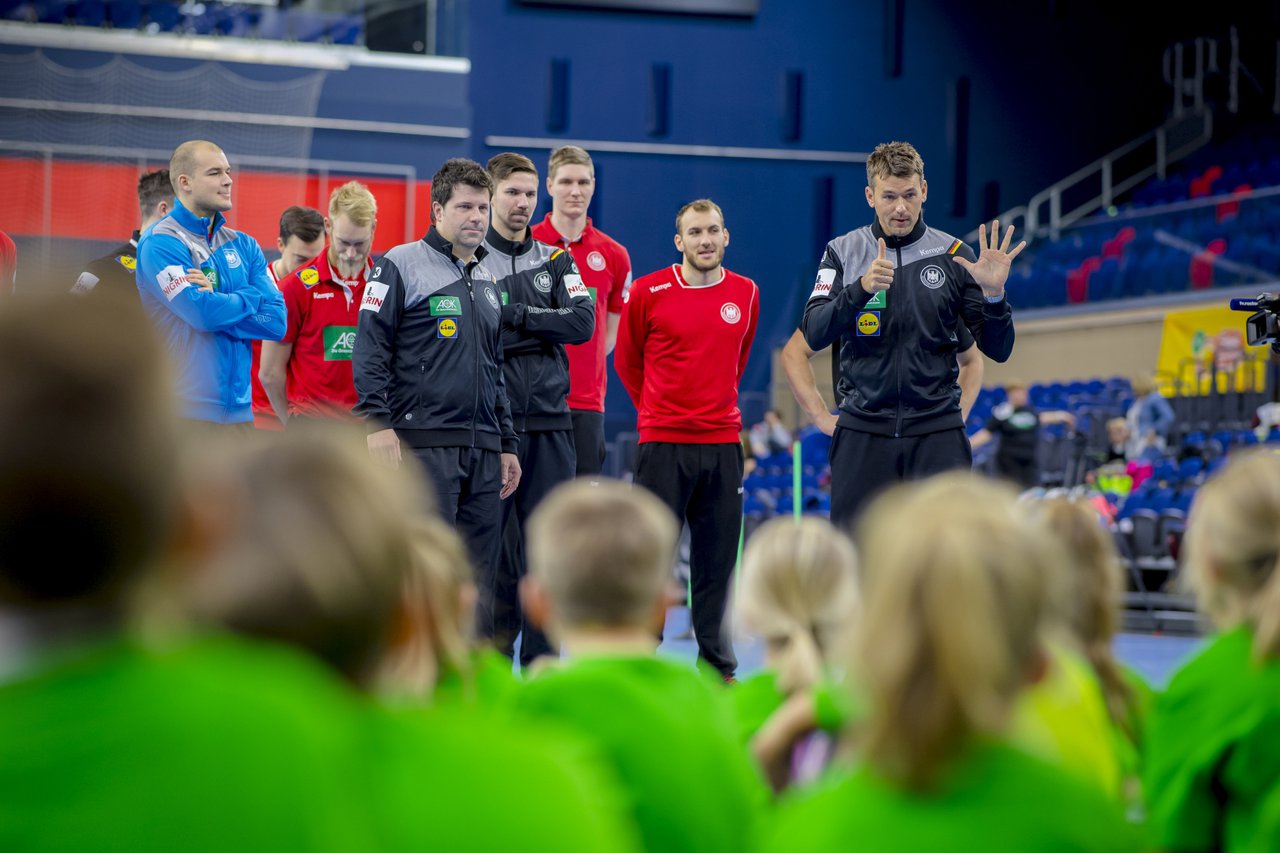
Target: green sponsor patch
(339, 342)
(506, 298)
(445, 306)
(592, 291)
(877, 299)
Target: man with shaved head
(207, 289)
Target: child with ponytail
(1213, 742)
(954, 589)
(798, 592)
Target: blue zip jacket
(207, 332)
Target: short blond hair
(354, 201)
(569, 155)
(798, 591)
(603, 552)
(702, 205)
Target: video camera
(1263, 326)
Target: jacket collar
(444, 247)
(509, 247)
(892, 242)
(202, 225)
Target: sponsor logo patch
(447, 328)
(374, 293)
(932, 277)
(878, 299)
(309, 276)
(573, 284)
(445, 306)
(542, 281)
(232, 259)
(339, 342)
(506, 298)
(869, 324)
(129, 262)
(492, 297)
(595, 260)
(730, 313)
(172, 280)
(592, 291)
(822, 287)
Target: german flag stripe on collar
(955, 247)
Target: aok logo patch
(869, 324)
(445, 306)
(339, 342)
(447, 328)
(309, 276)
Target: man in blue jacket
(206, 288)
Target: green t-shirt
(207, 745)
(755, 699)
(1213, 748)
(1063, 719)
(669, 734)
(469, 780)
(996, 799)
(493, 682)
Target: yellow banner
(1197, 341)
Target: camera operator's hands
(880, 276)
(991, 270)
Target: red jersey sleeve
(621, 281)
(753, 311)
(628, 354)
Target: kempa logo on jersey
(658, 287)
(232, 259)
(339, 342)
(595, 260)
(936, 250)
(445, 306)
(932, 277)
(869, 324)
(542, 281)
(730, 313)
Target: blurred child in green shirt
(954, 589)
(1213, 740)
(798, 591)
(600, 559)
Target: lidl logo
(339, 342)
(129, 262)
(310, 277)
(869, 324)
(447, 328)
(445, 306)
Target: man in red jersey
(301, 239)
(682, 347)
(606, 271)
(308, 373)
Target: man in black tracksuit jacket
(427, 363)
(892, 293)
(545, 306)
